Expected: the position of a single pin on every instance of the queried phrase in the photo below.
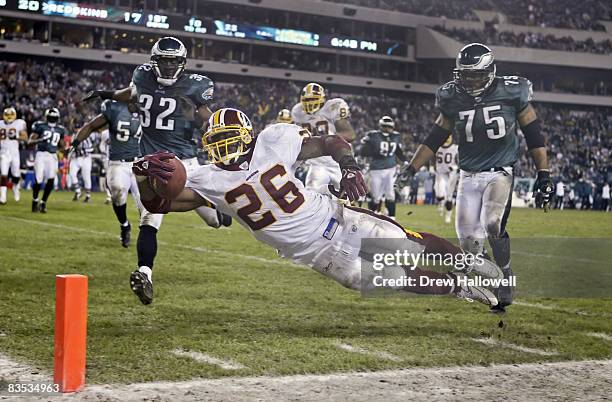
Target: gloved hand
(404, 178)
(543, 189)
(352, 183)
(155, 166)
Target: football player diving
(123, 122)
(12, 130)
(251, 178)
(48, 136)
(172, 104)
(482, 110)
(322, 117)
(384, 147)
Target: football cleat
(34, 206)
(477, 293)
(504, 294)
(142, 287)
(42, 208)
(87, 198)
(126, 235)
(486, 268)
(224, 220)
(77, 195)
(16, 193)
(107, 201)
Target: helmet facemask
(9, 115)
(312, 98)
(226, 143)
(474, 69)
(474, 82)
(168, 59)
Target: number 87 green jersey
(167, 113)
(485, 126)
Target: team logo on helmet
(312, 97)
(475, 69)
(168, 59)
(9, 115)
(228, 137)
(284, 116)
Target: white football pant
(83, 164)
(10, 160)
(483, 205)
(45, 166)
(381, 184)
(121, 180)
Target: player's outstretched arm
(438, 135)
(536, 144)
(352, 183)
(84, 132)
(345, 130)
(124, 95)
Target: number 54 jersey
(485, 126)
(264, 195)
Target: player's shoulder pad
(275, 133)
(37, 124)
(518, 88)
(445, 93)
(336, 109)
(141, 72)
(200, 86)
(105, 107)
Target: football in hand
(174, 185)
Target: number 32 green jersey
(485, 126)
(167, 113)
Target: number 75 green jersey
(485, 126)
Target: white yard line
(202, 358)
(519, 348)
(164, 243)
(600, 335)
(374, 353)
(551, 308)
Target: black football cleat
(34, 206)
(142, 287)
(504, 294)
(87, 198)
(126, 235)
(76, 196)
(224, 220)
(42, 208)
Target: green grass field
(220, 293)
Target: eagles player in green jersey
(124, 135)
(172, 104)
(48, 136)
(482, 110)
(383, 147)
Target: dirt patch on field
(587, 380)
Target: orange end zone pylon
(70, 332)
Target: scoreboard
(198, 25)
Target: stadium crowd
(584, 15)
(534, 40)
(580, 142)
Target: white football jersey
(9, 134)
(322, 123)
(264, 195)
(446, 159)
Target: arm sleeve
(436, 138)
(533, 135)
